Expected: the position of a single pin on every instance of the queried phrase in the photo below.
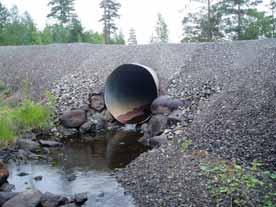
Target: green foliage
(118, 39)
(232, 181)
(185, 145)
(19, 30)
(229, 19)
(30, 115)
(16, 29)
(197, 28)
(2, 86)
(257, 24)
(6, 128)
(110, 14)
(61, 10)
(4, 15)
(93, 37)
(76, 31)
(25, 116)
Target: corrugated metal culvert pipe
(129, 91)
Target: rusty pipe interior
(129, 91)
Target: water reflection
(109, 151)
(90, 162)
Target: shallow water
(90, 162)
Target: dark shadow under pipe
(129, 91)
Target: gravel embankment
(232, 87)
(234, 117)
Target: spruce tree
(4, 14)
(161, 31)
(273, 17)
(61, 10)
(235, 13)
(110, 14)
(132, 40)
(202, 26)
(76, 30)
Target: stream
(83, 165)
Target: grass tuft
(230, 181)
(23, 117)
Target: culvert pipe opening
(129, 91)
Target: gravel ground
(232, 85)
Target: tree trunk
(239, 20)
(105, 24)
(209, 21)
(273, 18)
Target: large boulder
(52, 200)
(97, 101)
(4, 173)
(28, 145)
(29, 198)
(5, 196)
(80, 198)
(165, 105)
(73, 119)
(88, 127)
(156, 126)
(6, 187)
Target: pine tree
(76, 30)
(110, 14)
(201, 26)
(161, 31)
(235, 13)
(273, 17)
(61, 10)
(4, 15)
(132, 37)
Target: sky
(138, 14)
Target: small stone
(101, 194)
(71, 178)
(178, 132)
(80, 198)
(175, 117)
(27, 144)
(68, 133)
(22, 174)
(165, 105)
(38, 178)
(88, 127)
(48, 143)
(4, 173)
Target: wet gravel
(232, 115)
